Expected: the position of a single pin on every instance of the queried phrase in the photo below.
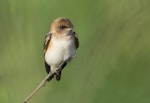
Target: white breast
(61, 50)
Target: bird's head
(62, 26)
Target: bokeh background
(113, 60)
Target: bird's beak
(70, 30)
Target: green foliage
(112, 64)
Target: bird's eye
(62, 27)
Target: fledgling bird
(60, 45)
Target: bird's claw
(56, 71)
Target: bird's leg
(59, 68)
(55, 70)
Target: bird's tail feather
(58, 76)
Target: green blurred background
(113, 60)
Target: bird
(60, 46)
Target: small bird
(60, 46)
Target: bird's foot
(56, 71)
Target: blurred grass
(112, 64)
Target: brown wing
(76, 40)
(47, 40)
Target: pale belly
(59, 52)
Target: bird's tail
(58, 76)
